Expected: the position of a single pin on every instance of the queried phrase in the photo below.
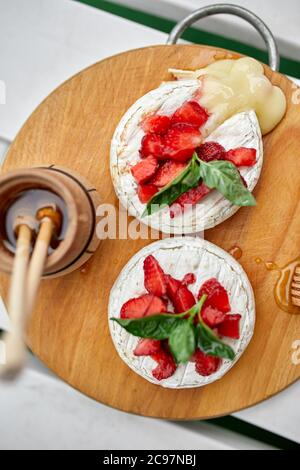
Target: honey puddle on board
(282, 289)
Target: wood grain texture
(69, 333)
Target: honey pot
(24, 192)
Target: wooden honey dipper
(295, 289)
(50, 219)
(14, 344)
(26, 279)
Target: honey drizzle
(282, 288)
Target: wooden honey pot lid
(73, 127)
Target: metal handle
(259, 25)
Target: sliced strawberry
(212, 316)
(210, 151)
(216, 295)
(230, 327)
(154, 277)
(241, 156)
(167, 173)
(146, 192)
(188, 279)
(180, 142)
(147, 347)
(166, 366)
(188, 199)
(156, 124)
(144, 170)
(206, 365)
(136, 308)
(191, 113)
(183, 300)
(151, 145)
(172, 286)
(193, 196)
(147, 304)
(157, 306)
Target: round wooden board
(69, 331)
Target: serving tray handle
(259, 25)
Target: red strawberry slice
(155, 282)
(145, 305)
(216, 295)
(167, 173)
(173, 286)
(188, 279)
(180, 142)
(156, 124)
(193, 196)
(242, 156)
(179, 294)
(166, 366)
(151, 145)
(210, 151)
(183, 300)
(230, 327)
(157, 306)
(212, 316)
(146, 192)
(147, 347)
(206, 365)
(188, 199)
(144, 170)
(191, 113)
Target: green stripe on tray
(254, 432)
(195, 35)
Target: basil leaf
(159, 326)
(189, 178)
(155, 327)
(210, 344)
(182, 341)
(225, 177)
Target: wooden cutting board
(69, 331)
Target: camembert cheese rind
(241, 130)
(178, 256)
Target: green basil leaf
(189, 178)
(195, 310)
(210, 344)
(161, 327)
(225, 177)
(155, 327)
(182, 341)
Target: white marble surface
(3, 149)
(280, 414)
(42, 43)
(41, 412)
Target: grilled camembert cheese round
(177, 256)
(240, 130)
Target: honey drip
(282, 289)
(236, 252)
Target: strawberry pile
(167, 294)
(167, 147)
